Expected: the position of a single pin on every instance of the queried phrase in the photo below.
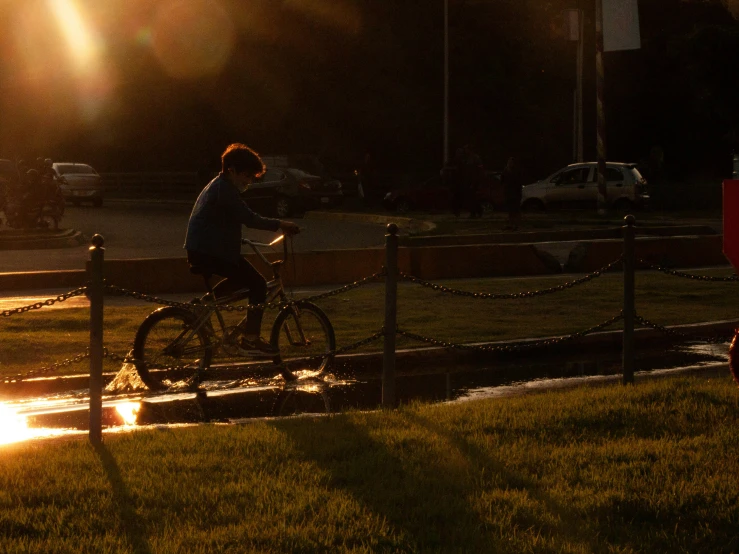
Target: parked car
(576, 186)
(79, 183)
(285, 192)
(435, 194)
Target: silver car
(576, 186)
(79, 183)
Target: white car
(576, 186)
(79, 183)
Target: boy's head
(240, 158)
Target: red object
(731, 222)
(734, 357)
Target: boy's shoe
(256, 345)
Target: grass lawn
(42, 337)
(649, 468)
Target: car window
(637, 176)
(81, 169)
(612, 174)
(572, 176)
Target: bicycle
(179, 343)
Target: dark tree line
(369, 76)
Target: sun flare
(13, 427)
(128, 412)
(84, 46)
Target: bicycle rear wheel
(304, 338)
(167, 349)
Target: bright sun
(82, 43)
(13, 427)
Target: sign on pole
(621, 25)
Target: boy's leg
(248, 276)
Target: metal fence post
(391, 313)
(96, 289)
(628, 308)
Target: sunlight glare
(128, 412)
(83, 45)
(13, 427)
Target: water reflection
(14, 428)
(239, 399)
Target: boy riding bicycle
(213, 240)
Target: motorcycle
(34, 203)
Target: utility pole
(445, 153)
(600, 106)
(575, 27)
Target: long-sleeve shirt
(216, 219)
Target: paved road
(158, 231)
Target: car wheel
(487, 208)
(402, 206)
(282, 207)
(533, 205)
(623, 206)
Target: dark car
(435, 194)
(285, 192)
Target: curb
(405, 223)
(413, 359)
(39, 239)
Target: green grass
(41, 337)
(650, 468)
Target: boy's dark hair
(241, 158)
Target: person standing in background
(512, 189)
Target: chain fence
(522, 347)
(120, 291)
(46, 303)
(676, 273)
(515, 295)
(53, 369)
(56, 367)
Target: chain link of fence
(532, 345)
(678, 336)
(52, 368)
(528, 294)
(676, 273)
(120, 291)
(50, 302)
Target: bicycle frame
(209, 304)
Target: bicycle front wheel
(304, 338)
(169, 349)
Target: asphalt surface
(158, 231)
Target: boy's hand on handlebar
(289, 228)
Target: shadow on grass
(429, 492)
(133, 527)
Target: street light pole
(601, 115)
(445, 153)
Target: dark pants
(237, 276)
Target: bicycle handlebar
(257, 245)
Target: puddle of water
(242, 399)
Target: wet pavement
(128, 406)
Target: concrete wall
(338, 267)
(684, 252)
